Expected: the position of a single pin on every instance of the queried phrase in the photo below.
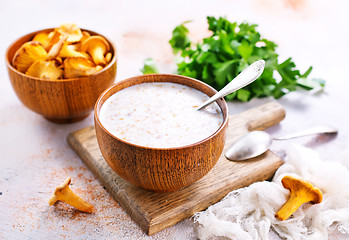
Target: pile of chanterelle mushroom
(65, 52)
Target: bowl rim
(9, 64)
(221, 127)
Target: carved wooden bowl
(161, 169)
(63, 100)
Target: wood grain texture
(62, 100)
(155, 211)
(161, 169)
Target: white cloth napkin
(248, 213)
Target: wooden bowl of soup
(150, 133)
(62, 100)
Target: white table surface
(35, 156)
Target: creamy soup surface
(160, 115)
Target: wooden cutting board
(155, 211)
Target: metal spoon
(247, 76)
(255, 143)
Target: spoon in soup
(247, 76)
(256, 143)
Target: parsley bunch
(229, 50)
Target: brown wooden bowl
(161, 169)
(63, 100)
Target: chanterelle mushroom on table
(65, 194)
(301, 192)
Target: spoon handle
(309, 131)
(247, 76)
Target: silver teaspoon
(256, 143)
(247, 76)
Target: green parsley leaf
(180, 40)
(149, 66)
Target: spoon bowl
(256, 143)
(250, 145)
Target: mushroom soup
(160, 115)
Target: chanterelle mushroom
(65, 194)
(56, 48)
(45, 70)
(69, 51)
(27, 54)
(301, 192)
(79, 67)
(108, 57)
(96, 46)
(54, 37)
(43, 38)
(85, 35)
(74, 32)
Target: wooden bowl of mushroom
(59, 73)
(151, 134)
